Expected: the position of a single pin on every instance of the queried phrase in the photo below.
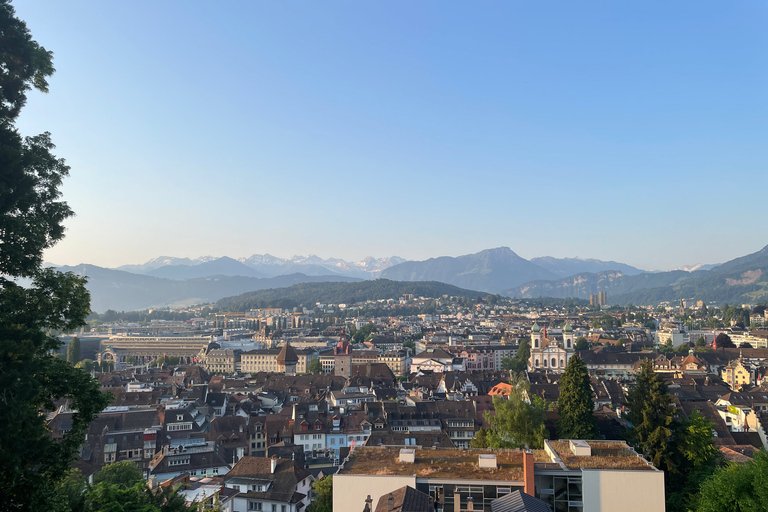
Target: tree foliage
(724, 341)
(31, 220)
(650, 413)
(516, 423)
(323, 500)
(123, 473)
(575, 404)
(737, 488)
(315, 366)
(73, 351)
(518, 363)
(581, 344)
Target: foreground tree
(323, 500)
(650, 414)
(737, 488)
(575, 404)
(516, 423)
(31, 217)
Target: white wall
(350, 491)
(627, 491)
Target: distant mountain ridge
(741, 280)
(169, 281)
(564, 267)
(126, 291)
(491, 270)
(261, 265)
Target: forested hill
(308, 294)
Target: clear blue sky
(632, 131)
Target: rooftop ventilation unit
(487, 460)
(580, 448)
(407, 455)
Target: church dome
(535, 328)
(567, 327)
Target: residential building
(269, 485)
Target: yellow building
(266, 360)
(737, 375)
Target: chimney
(368, 503)
(391, 502)
(456, 501)
(470, 504)
(528, 473)
(273, 464)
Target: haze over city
(626, 132)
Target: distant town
(253, 409)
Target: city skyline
(620, 132)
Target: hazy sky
(631, 131)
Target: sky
(626, 131)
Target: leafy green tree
(123, 473)
(737, 488)
(650, 414)
(575, 404)
(106, 497)
(323, 500)
(31, 220)
(70, 492)
(581, 344)
(695, 459)
(481, 439)
(701, 342)
(315, 366)
(363, 333)
(724, 341)
(516, 423)
(87, 365)
(523, 353)
(73, 351)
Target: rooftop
(603, 455)
(434, 463)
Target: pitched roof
(287, 355)
(518, 501)
(405, 499)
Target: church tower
(342, 353)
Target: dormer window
(179, 417)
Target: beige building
(218, 361)
(397, 361)
(550, 354)
(266, 360)
(328, 362)
(595, 476)
(736, 375)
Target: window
(178, 461)
(274, 508)
(254, 505)
(109, 457)
(179, 417)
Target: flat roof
(434, 463)
(605, 455)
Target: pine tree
(73, 351)
(650, 413)
(575, 404)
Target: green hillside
(308, 294)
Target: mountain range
(168, 281)
(261, 265)
(126, 291)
